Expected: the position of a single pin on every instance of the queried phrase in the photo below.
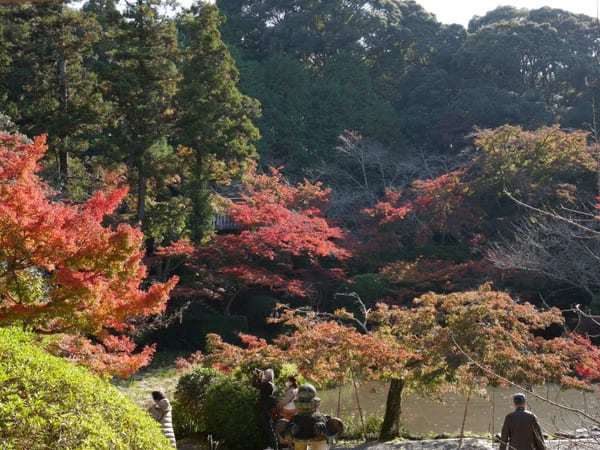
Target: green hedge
(49, 403)
(210, 403)
(188, 406)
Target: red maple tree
(426, 238)
(62, 271)
(285, 245)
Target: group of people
(302, 424)
(268, 406)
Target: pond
(485, 415)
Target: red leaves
(20, 161)
(100, 203)
(62, 270)
(114, 356)
(494, 330)
(588, 366)
(282, 245)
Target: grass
(161, 375)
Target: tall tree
(308, 30)
(143, 77)
(214, 117)
(285, 246)
(62, 271)
(49, 86)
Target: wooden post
(362, 419)
(462, 427)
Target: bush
(46, 402)
(209, 403)
(231, 414)
(188, 407)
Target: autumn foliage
(285, 245)
(462, 342)
(323, 350)
(426, 238)
(482, 337)
(62, 271)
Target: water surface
(485, 415)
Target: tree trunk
(462, 426)
(393, 408)
(63, 164)
(360, 411)
(228, 303)
(63, 155)
(141, 201)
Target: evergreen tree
(142, 76)
(214, 117)
(48, 86)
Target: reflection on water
(485, 415)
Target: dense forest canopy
(389, 71)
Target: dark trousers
(267, 422)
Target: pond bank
(445, 444)
(469, 444)
(423, 416)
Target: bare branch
(528, 391)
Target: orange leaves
(19, 159)
(322, 350)
(100, 203)
(495, 331)
(286, 245)
(328, 350)
(79, 276)
(114, 356)
(429, 345)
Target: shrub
(353, 428)
(210, 403)
(188, 407)
(47, 402)
(231, 414)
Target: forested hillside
(304, 151)
(342, 190)
(390, 71)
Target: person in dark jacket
(521, 430)
(267, 404)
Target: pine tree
(142, 74)
(49, 87)
(215, 118)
